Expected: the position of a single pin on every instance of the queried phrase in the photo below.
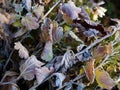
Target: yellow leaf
(103, 79)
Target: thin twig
(50, 11)
(71, 81)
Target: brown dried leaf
(46, 30)
(89, 70)
(103, 79)
(99, 52)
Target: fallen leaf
(74, 36)
(83, 56)
(30, 22)
(70, 11)
(47, 53)
(99, 52)
(38, 10)
(68, 60)
(28, 67)
(23, 52)
(8, 77)
(57, 32)
(88, 24)
(46, 30)
(59, 79)
(91, 33)
(103, 79)
(42, 73)
(89, 70)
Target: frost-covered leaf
(38, 10)
(23, 52)
(103, 79)
(46, 30)
(81, 86)
(42, 73)
(91, 33)
(47, 53)
(18, 8)
(28, 67)
(59, 79)
(83, 56)
(74, 36)
(70, 11)
(68, 60)
(27, 4)
(89, 70)
(30, 22)
(57, 32)
(56, 63)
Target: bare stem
(50, 11)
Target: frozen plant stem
(50, 11)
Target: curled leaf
(89, 70)
(59, 79)
(27, 69)
(70, 11)
(83, 56)
(23, 52)
(68, 60)
(57, 32)
(103, 79)
(30, 22)
(91, 33)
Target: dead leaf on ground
(89, 70)
(23, 52)
(103, 79)
(28, 67)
